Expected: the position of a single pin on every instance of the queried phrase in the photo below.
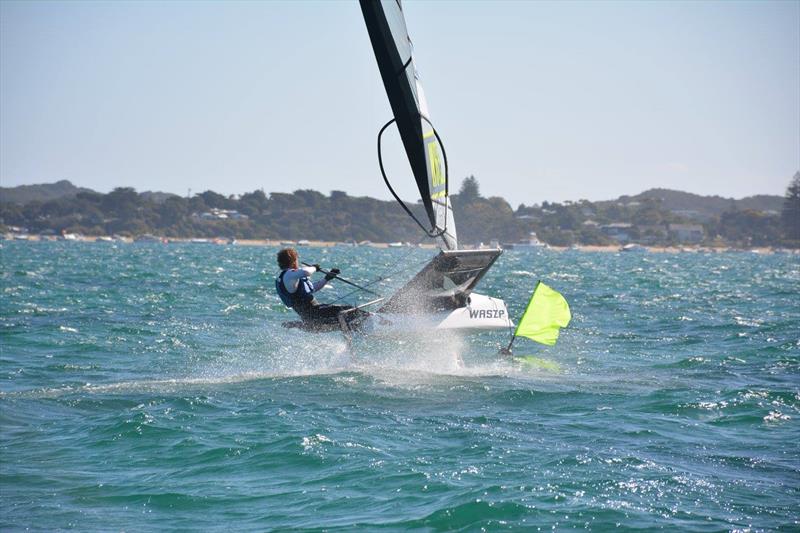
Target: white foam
(278, 354)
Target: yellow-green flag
(547, 312)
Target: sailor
(297, 291)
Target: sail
(443, 284)
(393, 51)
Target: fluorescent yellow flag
(546, 314)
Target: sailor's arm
(328, 276)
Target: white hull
(482, 313)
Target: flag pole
(507, 349)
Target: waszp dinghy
(441, 295)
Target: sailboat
(441, 295)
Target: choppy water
(150, 387)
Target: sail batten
(393, 51)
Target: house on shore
(619, 231)
(687, 233)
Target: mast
(393, 51)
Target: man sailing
(297, 291)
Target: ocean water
(151, 387)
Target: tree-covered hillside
(705, 207)
(44, 192)
(658, 216)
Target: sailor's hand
(315, 265)
(332, 273)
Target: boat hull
(481, 313)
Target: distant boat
(200, 241)
(148, 238)
(396, 245)
(533, 242)
(303, 242)
(633, 247)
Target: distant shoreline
(657, 217)
(199, 241)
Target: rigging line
(340, 298)
(428, 232)
(405, 66)
(389, 185)
(345, 281)
(384, 275)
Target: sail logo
(435, 161)
(487, 313)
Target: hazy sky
(539, 100)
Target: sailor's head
(287, 258)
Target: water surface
(149, 387)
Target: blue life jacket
(302, 297)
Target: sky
(540, 101)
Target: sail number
(487, 313)
(435, 161)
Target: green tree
(790, 214)
(253, 203)
(122, 202)
(173, 211)
(469, 191)
(213, 199)
(748, 227)
(649, 214)
(566, 217)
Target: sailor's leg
(329, 313)
(318, 313)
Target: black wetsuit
(323, 313)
